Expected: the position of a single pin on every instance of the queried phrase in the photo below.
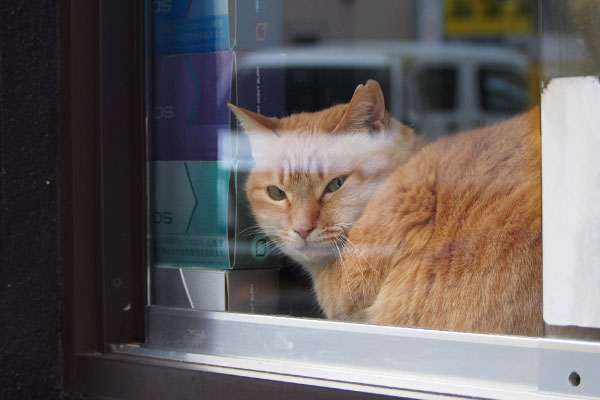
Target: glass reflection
(442, 67)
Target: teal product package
(201, 217)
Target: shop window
(226, 298)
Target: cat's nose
(304, 230)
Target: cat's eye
(335, 184)
(276, 193)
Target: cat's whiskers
(364, 280)
(271, 242)
(274, 238)
(360, 253)
(250, 230)
(344, 274)
(337, 251)
(330, 241)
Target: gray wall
(29, 210)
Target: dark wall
(30, 279)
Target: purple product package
(200, 162)
(190, 113)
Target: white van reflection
(437, 88)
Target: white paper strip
(571, 201)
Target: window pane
(287, 144)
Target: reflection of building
(495, 21)
(436, 87)
(464, 83)
(312, 21)
(499, 17)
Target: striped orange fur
(444, 235)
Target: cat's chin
(312, 257)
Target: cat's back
(462, 175)
(462, 227)
(505, 154)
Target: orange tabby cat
(445, 235)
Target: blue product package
(187, 26)
(193, 26)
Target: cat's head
(315, 172)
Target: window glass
(232, 231)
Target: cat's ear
(261, 130)
(253, 122)
(366, 110)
